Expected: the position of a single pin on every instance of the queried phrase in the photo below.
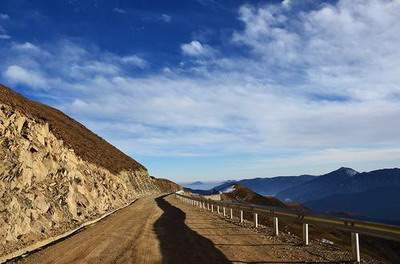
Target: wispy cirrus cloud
(166, 18)
(119, 10)
(4, 36)
(307, 82)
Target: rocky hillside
(166, 185)
(242, 194)
(55, 174)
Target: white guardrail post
(305, 234)
(355, 245)
(355, 227)
(276, 226)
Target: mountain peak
(348, 171)
(345, 170)
(196, 183)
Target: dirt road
(165, 230)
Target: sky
(214, 90)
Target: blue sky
(211, 90)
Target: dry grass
(87, 145)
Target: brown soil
(166, 230)
(245, 195)
(87, 145)
(166, 186)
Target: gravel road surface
(166, 230)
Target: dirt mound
(166, 185)
(245, 195)
(87, 145)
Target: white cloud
(317, 83)
(166, 18)
(135, 61)
(287, 3)
(341, 48)
(19, 75)
(4, 16)
(3, 33)
(196, 49)
(119, 10)
(26, 47)
(5, 36)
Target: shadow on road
(289, 262)
(180, 244)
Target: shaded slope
(342, 181)
(375, 204)
(319, 187)
(272, 186)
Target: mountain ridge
(343, 180)
(84, 142)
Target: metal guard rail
(354, 226)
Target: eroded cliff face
(46, 189)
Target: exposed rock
(46, 188)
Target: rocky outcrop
(46, 188)
(166, 185)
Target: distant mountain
(196, 183)
(215, 190)
(368, 195)
(202, 185)
(272, 186)
(263, 186)
(341, 181)
(318, 187)
(380, 204)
